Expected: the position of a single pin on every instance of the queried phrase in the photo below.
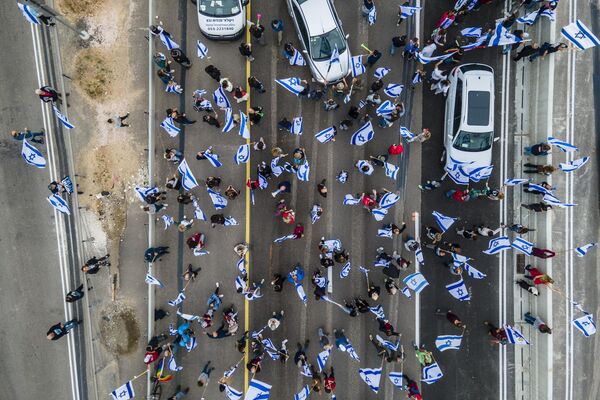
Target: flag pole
(365, 47)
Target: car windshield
(473, 141)
(219, 8)
(322, 46)
(478, 108)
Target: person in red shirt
(537, 276)
(542, 253)
(458, 195)
(395, 149)
(329, 382)
(47, 93)
(299, 231)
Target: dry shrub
(79, 8)
(93, 73)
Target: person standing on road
(277, 26)
(205, 374)
(246, 50)
(451, 317)
(48, 94)
(76, 294)
(540, 149)
(537, 323)
(527, 51)
(537, 207)
(254, 83)
(153, 254)
(373, 57)
(518, 228)
(92, 266)
(59, 330)
(413, 389)
(542, 253)
(546, 170)
(258, 32)
(213, 72)
(35, 137)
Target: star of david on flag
(580, 35)
(124, 392)
(459, 291)
(448, 342)
(501, 243)
(358, 67)
(416, 282)
(371, 376)
(363, 135)
(32, 156)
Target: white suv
(469, 124)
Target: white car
(469, 123)
(222, 19)
(320, 31)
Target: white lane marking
(417, 217)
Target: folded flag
(371, 376)
(515, 181)
(582, 251)
(585, 324)
(124, 392)
(244, 131)
(221, 99)
(459, 291)
(397, 379)
(381, 72)
(229, 123)
(385, 108)
(416, 282)
(406, 292)
(303, 394)
(242, 155)
(363, 135)
(217, 198)
(178, 300)
(471, 32)
(522, 245)
(150, 280)
(31, 15)
(188, 180)
(303, 172)
(448, 342)
(393, 90)
(326, 135)
(63, 118)
(443, 221)
(501, 243)
(297, 59)
(358, 67)
(580, 35)
(431, 373)
(32, 156)
(391, 171)
(291, 84)
(345, 271)
(59, 204)
(573, 165)
(169, 125)
(297, 126)
(514, 336)
(561, 144)
(322, 358)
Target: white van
(469, 123)
(222, 19)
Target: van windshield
(473, 141)
(219, 8)
(478, 108)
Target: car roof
(478, 80)
(318, 21)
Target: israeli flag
(228, 126)
(459, 260)
(585, 324)
(406, 134)
(349, 200)
(173, 87)
(168, 220)
(475, 44)
(385, 232)
(314, 214)
(297, 126)
(443, 221)
(381, 72)
(242, 155)
(325, 135)
(582, 251)
(284, 238)
(241, 266)
(459, 291)
(426, 60)
(258, 390)
(32, 156)
(335, 56)
(297, 59)
(459, 4)
(515, 181)
(417, 78)
(173, 364)
(303, 394)
(322, 358)
(371, 377)
(397, 379)
(232, 394)
(230, 221)
(529, 19)
(62, 118)
(387, 344)
(305, 370)
(188, 180)
(457, 174)
(378, 311)
(212, 158)
(379, 213)
(301, 293)
(199, 252)
(471, 32)
(221, 99)
(172, 331)
(391, 170)
(406, 292)
(351, 352)
(178, 300)
(240, 284)
(57, 202)
(388, 200)
(408, 11)
(502, 37)
(574, 165)
(276, 169)
(497, 245)
(380, 262)
(198, 213)
(481, 173)
(360, 164)
(202, 49)
(188, 317)
(522, 245)
(561, 144)
(291, 84)
(551, 199)
(192, 344)
(270, 348)
(514, 336)
(419, 256)
(124, 392)
(333, 244)
(358, 67)
(385, 108)
(416, 282)
(448, 342)
(303, 172)
(244, 132)
(363, 135)
(217, 198)
(431, 373)
(393, 90)
(169, 125)
(345, 271)
(534, 186)
(372, 17)
(167, 41)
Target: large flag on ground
(124, 392)
(573, 165)
(459, 291)
(297, 126)
(32, 156)
(358, 67)
(514, 336)
(291, 84)
(416, 282)
(580, 35)
(29, 13)
(522, 245)
(585, 324)
(258, 390)
(431, 373)
(501, 243)
(443, 221)
(188, 180)
(371, 376)
(59, 203)
(448, 342)
(325, 135)
(363, 135)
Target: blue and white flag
(416, 282)
(515, 181)
(230, 221)
(240, 284)
(172, 331)
(379, 213)
(258, 390)
(459, 291)
(371, 376)
(168, 220)
(574, 165)
(241, 266)
(391, 170)
(364, 134)
(188, 180)
(426, 60)
(291, 84)
(229, 124)
(443, 221)
(124, 392)
(408, 11)
(539, 188)
(431, 373)
(169, 125)
(372, 17)
(388, 200)
(350, 200)
(242, 155)
(178, 300)
(459, 4)
(173, 364)
(551, 199)
(232, 394)
(59, 203)
(514, 336)
(301, 293)
(417, 78)
(479, 42)
(351, 352)
(385, 108)
(585, 324)
(522, 245)
(30, 15)
(217, 198)
(580, 35)
(397, 379)
(303, 172)
(202, 49)
(276, 169)
(406, 134)
(142, 192)
(305, 370)
(297, 126)
(387, 344)
(381, 72)
(471, 32)
(32, 156)
(448, 342)
(284, 238)
(481, 173)
(244, 131)
(303, 394)
(270, 348)
(457, 174)
(582, 251)
(530, 18)
(501, 243)
(386, 231)
(335, 56)
(473, 272)
(358, 67)
(150, 280)
(406, 292)
(314, 214)
(322, 358)
(345, 271)
(173, 87)
(393, 90)
(62, 118)
(167, 40)
(378, 311)
(459, 259)
(561, 144)
(221, 99)
(187, 317)
(213, 158)
(502, 37)
(198, 213)
(419, 256)
(326, 135)
(297, 59)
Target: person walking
(76, 294)
(36, 137)
(527, 51)
(119, 121)
(542, 253)
(424, 356)
(246, 51)
(537, 323)
(518, 228)
(498, 334)
(546, 170)
(537, 207)
(540, 149)
(210, 120)
(205, 374)
(213, 72)
(537, 276)
(330, 105)
(451, 317)
(254, 83)
(48, 94)
(373, 57)
(277, 26)
(257, 31)
(59, 330)
(92, 266)
(153, 254)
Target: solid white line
(417, 296)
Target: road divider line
(248, 200)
